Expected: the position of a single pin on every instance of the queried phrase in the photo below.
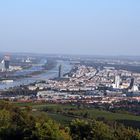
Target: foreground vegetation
(19, 124)
(30, 121)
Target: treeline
(132, 107)
(18, 91)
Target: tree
(81, 130)
(95, 130)
(122, 133)
(16, 123)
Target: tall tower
(2, 66)
(132, 83)
(6, 62)
(60, 72)
(117, 81)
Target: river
(66, 67)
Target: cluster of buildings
(5, 65)
(89, 85)
(27, 60)
(84, 78)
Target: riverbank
(44, 74)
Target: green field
(65, 113)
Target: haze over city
(102, 27)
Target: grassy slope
(94, 113)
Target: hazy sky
(95, 27)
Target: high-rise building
(2, 66)
(117, 81)
(6, 61)
(60, 75)
(132, 83)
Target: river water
(66, 67)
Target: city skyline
(70, 27)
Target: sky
(94, 27)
